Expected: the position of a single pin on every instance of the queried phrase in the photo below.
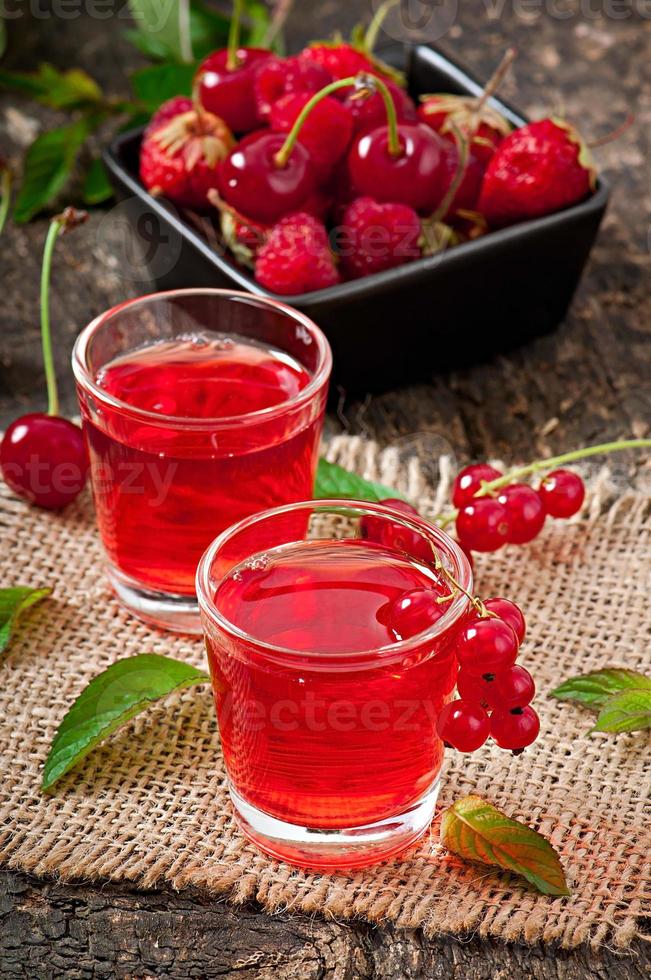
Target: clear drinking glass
(174, 460)
(327, 715)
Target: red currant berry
(510, 613)
(514, 728)
(512, 688)
(562, 493)
(43, 459)
(483, 525)
(463, 725)
(371, 528)
(486, 646)
(525, 511)
(469, 481)
(476, 687)
(413, 612)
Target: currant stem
(538, 465)
(232, 61)
(55, 229)
(373, 29)
(5, 190)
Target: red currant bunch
(495, 692)
(489, 517)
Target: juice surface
(163, 490)
(324, 739)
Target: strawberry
(277, 77)
(179, 156)
(326, 132)
(173, 107)
(543, 167)
(296, 257)
(374, 237)
(484, 130)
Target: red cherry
(514, 728)
(256, 186)
(413, 612)
(228, 92)
(469, 481)
(510, 613)
(486, 646)
(512, 688)
(463, 725)
(415, 176)
(483, 525)
(525, 510)
(43, 459)
(562, 493)
(369, 112)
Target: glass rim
(436, 535)
(320, 377)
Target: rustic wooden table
(588, 382)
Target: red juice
(187, 458)
(333, 728)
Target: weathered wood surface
(587, 382)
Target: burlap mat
(151, 805)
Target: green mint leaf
(13, 603)
(478, 831)
(97, 187)
(116, 695)
(72, 89)
(49, 162)
(336, 482)
(158, 83)
(595, 688)
(628, 711)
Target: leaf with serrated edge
(336, 482)
(628, 711)
(48, 165)
(597, 687)
(112, 698)
(13, 603)
(478, 831)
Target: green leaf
(112, 698)
(158, 83)
(258, 23)
(628, 711)
(147, 44)
(49, 161)
(478, 831)
(335, 481)
(159, 20)
(595, 688)
(97, 187)
(13, 603)
(72, 89)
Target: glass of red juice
(200, 407)
(327, 713)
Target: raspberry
(463, 725)
(179, 157)
(326, 132)
(378, 237)
(296, 257)
(277, 77)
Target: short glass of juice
(327, 712)
(200, 407)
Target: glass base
(330, 849)
(177, 613)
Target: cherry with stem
(43, 457)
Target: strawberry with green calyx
(539, 169)
(43, 456)
(343, 59)
(242, 236)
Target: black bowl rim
(380, 281)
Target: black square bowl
(405, 324)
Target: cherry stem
(282, 9)
(5, 191)
(496, 79)
(463, 150)
(185, 37)
(55, 229)
(488, 487)
(232, 61)
(363, 82)
(373, 29)
(477, 603)
(614, 134)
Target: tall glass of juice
(327, 688)
(200, 407)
